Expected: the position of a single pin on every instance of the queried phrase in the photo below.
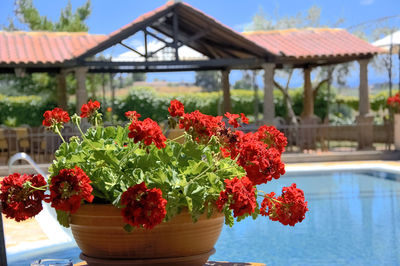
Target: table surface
(210, 263)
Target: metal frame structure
(169, 24)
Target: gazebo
(178, 24)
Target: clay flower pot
(98, 231)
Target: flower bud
(76, 119)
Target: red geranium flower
(69, 188)
(55, 118)
(176, 108)
(289, 208)
(233, 119)
(87, 110)
(272, 137)
(147, 131)
(143, 207)
(19, 200)
(394, 102)
(240, 195)
(202, 127)
(132, 115)
(244, 119)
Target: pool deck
(23, 235)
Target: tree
(312, 18)
(208, 80)
(245, 83)
(29, 16)
(68, 21)
(138, 77)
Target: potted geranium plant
(131, 193)
(394, 105)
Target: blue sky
(108, 16)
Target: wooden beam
(193, 38)
(146, 55)
(152, 70)
(211, 63)
(156, 51)
(157, 37)
(125, 33)
(175, 26)
(130, 48)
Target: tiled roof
(312, 43)
(44, 47)
(191, 20)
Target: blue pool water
(354, 219)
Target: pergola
(178, 24)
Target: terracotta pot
(98, 231)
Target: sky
(108, 16)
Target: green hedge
(18, 110)
(29, 109)
(377, 101)
(153, 105)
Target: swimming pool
(354, 219)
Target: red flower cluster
(261, 162)
(132, 115)
(176, 109)
(55, 118)
(258, 153)
(201, 126)
(147, 131)
(289, 208)
(87, 110)
(240, 195)
(233, 119)
(272, 137)
(143, 207)
(69, 188)
(18, 199)
(394, 102)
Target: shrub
(23, 109)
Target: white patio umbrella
(390, 43)
(389, 40)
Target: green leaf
(255, 214)
(195, 167)
(63, 218)
(189, 204)
(128, 228)
(228, 217)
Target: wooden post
(62, 97)
(308, 98)
(226, 91)
(308, 135)
(269, 106)
(256, 98)
(365, 119)
(81, 93)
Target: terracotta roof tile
(310, 43)
(44, 47)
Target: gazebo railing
(41, 144)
